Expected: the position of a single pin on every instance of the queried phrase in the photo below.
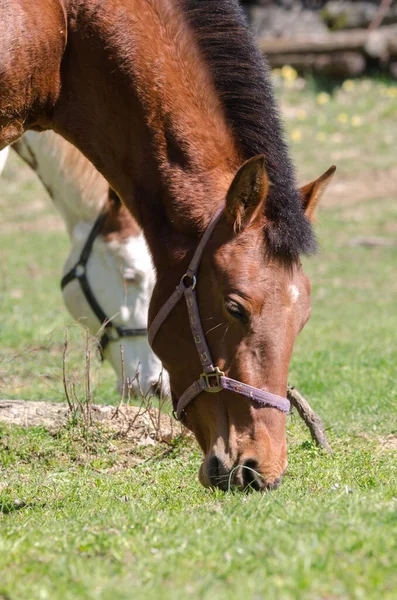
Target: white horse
(108, 275)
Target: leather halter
(112, 332)
(212, 379)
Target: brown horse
(171, 101)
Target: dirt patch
(389, 442)
(142, 425)
(370, 185)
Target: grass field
(90, 519)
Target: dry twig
(311, 419)
(380, 14)
(64, 379)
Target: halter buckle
(79, 270)
(210, 386)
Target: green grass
(33, 248)
(96, 518)
(88, 530)
(355, 128)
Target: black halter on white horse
(112, 332)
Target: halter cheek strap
(112, 332)
(212, 379)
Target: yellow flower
(301, 114)
(343, 117)
(348, 85)
(276, 72)
(356, 121)
(296, 135)
(392, 92)
(321, 136)
(322, 98)
(288, 73)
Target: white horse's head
(121, 277)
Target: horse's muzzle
(244, 476)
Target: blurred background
(339, 38)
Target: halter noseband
(211, 379)
(112, 332)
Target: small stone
(146, 441)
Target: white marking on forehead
(294, 292)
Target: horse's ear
(312, 192)
(247, 192)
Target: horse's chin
(202, 475)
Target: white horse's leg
(3, 158)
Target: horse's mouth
(243, 477)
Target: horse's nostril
(213, 471)
(251, 477)
(218, 475)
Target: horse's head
(121, 278)
(252, 306)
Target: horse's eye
(236, 310)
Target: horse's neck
(138, 102)
(77, 190)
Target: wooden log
(336, 64)
(312, 420)
(380, 14)
(374, 43)
(392, 46)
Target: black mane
(242, 79)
